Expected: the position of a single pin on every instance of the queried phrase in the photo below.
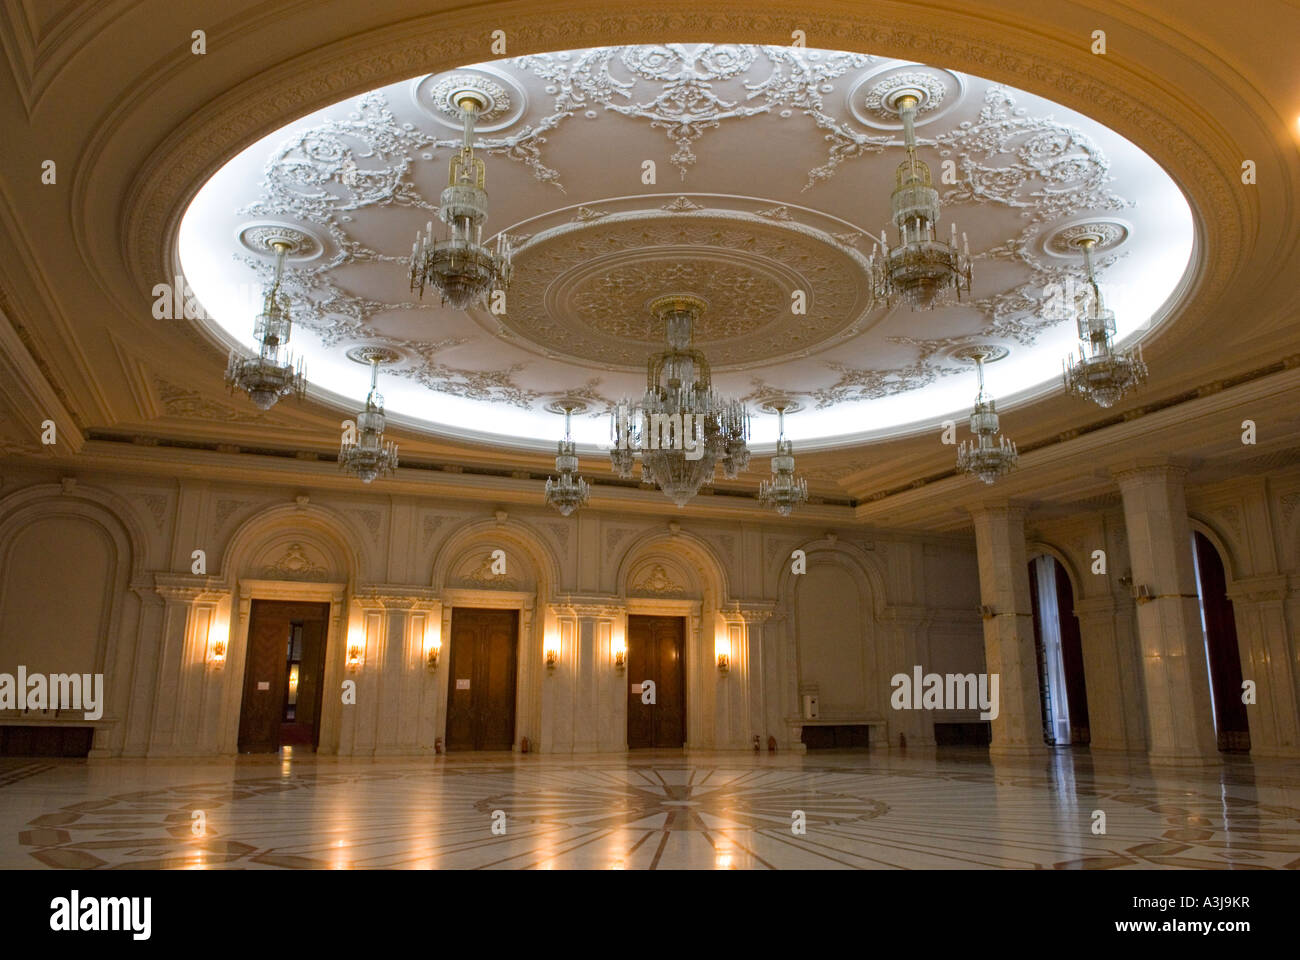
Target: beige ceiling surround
(1198, 87)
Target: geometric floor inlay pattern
(657, 810)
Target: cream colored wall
(103, 572)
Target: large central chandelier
(1099, 371)
(784, 491)
(569, 491)
(922, 269)
(981, 456)
(363, 451)
(273, 372)
(681, 428)
(459, 265)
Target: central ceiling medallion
(680, 427)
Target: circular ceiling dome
(756, 178)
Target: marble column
(1258, 605)
(1009, 628)
(1180, 723)
(1112, 671)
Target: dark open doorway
(1221, 652)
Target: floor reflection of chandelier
(981, 456)
(923, 270)
(460, 266)
(681, 429)
(1100, 372)
(364, 452)
(273, 373)
(569, 491)
(784, 491)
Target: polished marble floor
(951, 808)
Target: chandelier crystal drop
(784, 491)
(569, 491)
(1098, 371)
(272, 373)
(982, 456)
(366, 454)
(681, 429)
(459, 265)
(923, 270)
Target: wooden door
(656, 652)
(271, 632)
(482, 664)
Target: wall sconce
(1143, 594)
(216, 645)
(432, 648)
(552, 652)
(620, 655)
(987, 612)
(724, 662)
(354, 656)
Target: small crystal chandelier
(922, 270)
(784, 491)
(364, 452)
(1100, 372)
(681, 428)
(460, 266)
(981, 456)
(273, 373)
(570, 491)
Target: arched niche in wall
(67, 559)
(673, 566)
(308, 544)
(834, 650)
(469, 559)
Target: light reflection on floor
(653, 810)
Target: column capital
(1262, 589)
(185, 588)
(597, 607)
(751, 611)
(1144, 467)
(998, 506)
(393, 596)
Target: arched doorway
(1221, 653)
(1062, 692)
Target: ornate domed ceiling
(770, 164)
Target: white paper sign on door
(264, 684)
(462, 683)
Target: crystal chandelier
(273, 373)
(1099, 371)
(922, 269)
(570, 491)
(784, 491)
(681, 428)
(364, 452)
(981, 456)
(460, 266)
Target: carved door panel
(482, 663)
(656, 652)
